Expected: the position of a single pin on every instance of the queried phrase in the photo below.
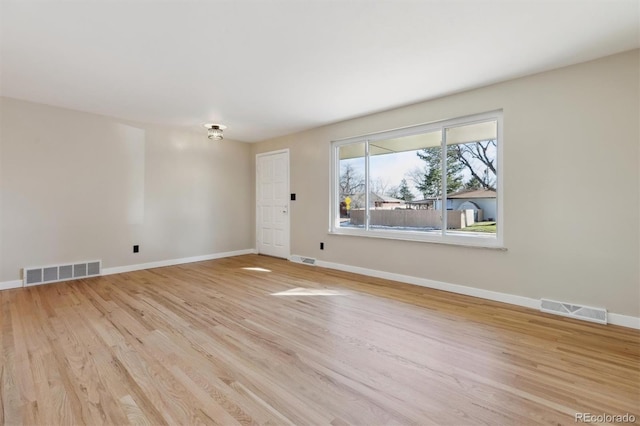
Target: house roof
(376, 198)
(473, 193)
(420, 202)
(386, 199)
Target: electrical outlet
(136, 248)
(321, 246)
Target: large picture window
(435, 182)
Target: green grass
(481, 227)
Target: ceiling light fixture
(215, 131)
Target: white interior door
(272, 203)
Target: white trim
(334, 179)
(8, 285)
(438, 285)
(512, 299)
(171, 262)
(623, 320)
(500, 183)
(471, 240)
(493, 241)
(444, 220)
(417, 129)
(278, 151)
(367, 191)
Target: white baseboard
(7, 285)
(527, 302)
(623, 320)
(171, 262)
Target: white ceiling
(268, 68)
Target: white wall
(77, 186)
(570, 135)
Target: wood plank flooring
(212, 343)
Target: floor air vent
(52, 274)
(308, 260)
(586, 313)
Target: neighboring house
(381, 202)
(475, 199)
(427, 203)
(468, 199)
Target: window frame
(473, 240)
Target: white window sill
(476, 240)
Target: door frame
(257, 182)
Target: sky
(394, 167)
(390, 168)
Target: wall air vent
(52, 274)
(586, 313)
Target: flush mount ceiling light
(215, 131)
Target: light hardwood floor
(211, 342)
